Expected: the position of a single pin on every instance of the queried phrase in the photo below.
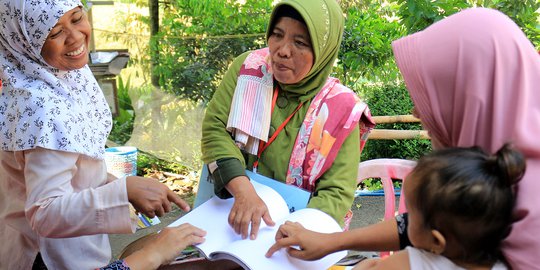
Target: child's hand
(151, 197)
(300, 242)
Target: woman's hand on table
(248, 208)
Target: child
(460, 203)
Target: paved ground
(367, 210)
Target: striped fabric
(253, 94)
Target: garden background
(180, 50)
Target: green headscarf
(325, 22)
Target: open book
(223, 243)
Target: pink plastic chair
(387, 169)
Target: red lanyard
(262, 144)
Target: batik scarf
(41, 106)
(474, 78)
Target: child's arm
(382, 236)
(399, 260)
(312, 245)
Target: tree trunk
(154, 29)
(154, 60)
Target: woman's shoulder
(237, 63)
(340, 92)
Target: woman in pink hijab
(474, 79)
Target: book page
(251, 252)
(212, 216)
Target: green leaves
(525, 13)
(123, 122)
(199, 39)
(393, 100)
(366, 55)
(418, 14)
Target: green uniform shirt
(334, 189)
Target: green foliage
(139, 3)
(525, 14)
(199, 39)
(393, 100)
(148, 163)
(416, 15)
(131, 30)
(122, 92)
(365, 53)
(123, 122)
(374, 184)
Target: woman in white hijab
(56, 199)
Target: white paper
(221, 239)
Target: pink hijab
(475, 80)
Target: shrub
(123, 122)
(393, 100)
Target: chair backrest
(387, 169)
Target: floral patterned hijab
(41, 106)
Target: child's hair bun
(508, 163)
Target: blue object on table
(379, 192)
(206, 187)
(295, 197)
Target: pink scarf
(475, 80)
(331, 117)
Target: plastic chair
(387, 169)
